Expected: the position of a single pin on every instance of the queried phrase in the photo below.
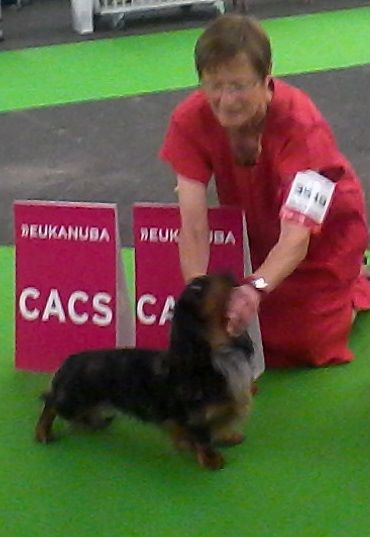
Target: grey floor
(107, 150)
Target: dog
(197, 390)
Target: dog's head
(200, 340)
(200, 316)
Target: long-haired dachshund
(197, 390)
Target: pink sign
(158, 276)
(69, 283)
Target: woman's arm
(286, 255)
(282, 260)
(194, 233)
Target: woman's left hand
(243, 306)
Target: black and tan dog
(197, 390)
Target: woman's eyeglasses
(233, 88)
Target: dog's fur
(197, 390)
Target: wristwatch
(258, 282)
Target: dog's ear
(198, 285)
(187, 334)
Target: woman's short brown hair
(228, 36)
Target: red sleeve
(312, 148)
(309, 148)
(183, 151)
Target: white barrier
(83, 16)
(83, 10)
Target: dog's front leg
(206, 454)
(180, 436)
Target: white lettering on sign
(103, 313)
(66, 233)
(145, 314)
(219, 237)
(29, 292)
(74, 316)
(30, 307)
(54, 307)
(156, 234)
(310, 194)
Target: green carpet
(131, 65)
(304, 470)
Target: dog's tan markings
(215, 310)
(43, 432)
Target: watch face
(260, 283)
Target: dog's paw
(229, 439)
(210, 459)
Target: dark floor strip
(107, 150)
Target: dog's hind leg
(97, 417)
(43, 431)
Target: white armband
(310, 195)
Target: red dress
(307, 318)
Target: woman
(272, 154)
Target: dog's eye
(196, 287)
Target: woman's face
(235, 93)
